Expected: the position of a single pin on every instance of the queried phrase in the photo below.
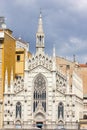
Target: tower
(40, 36)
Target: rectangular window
(18, 57)
(67, 66)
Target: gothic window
(60, 110)
(18, 57)
(18, 110)
(85, 117)
(40, 38)
(39, 94)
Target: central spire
(40, 36)
(40, 24)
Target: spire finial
(40, 23)
(54, 51)
(74, 58)
(6, 81)
(54, 58)
(40, 13)
(11, 82)
(40, 36)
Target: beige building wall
(83, 72)
(68, 67)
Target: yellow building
(22, 50)
(7, 61)
(20, 57)
(12, 57)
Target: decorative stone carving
(18, 85)
(40, 60)
(60, 83)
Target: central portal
(39, 124)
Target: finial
(40, 13)
(40, 24)
(54, 58)
(11, 74)
(19, 37)
(54, 51)
(11, 81)
(74, 58)
(6, 81)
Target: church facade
(43, 97)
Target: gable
(39, 69)
(40, 60)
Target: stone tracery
(39, 95)
(40, 60)
(18, 85)
(60, 83)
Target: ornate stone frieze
(60, 83)
(18, 85)
(40, 60)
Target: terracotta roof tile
(83, 65)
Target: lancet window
(60, 110)
(18, 110)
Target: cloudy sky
(64, 22)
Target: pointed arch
(18, 124)
(39, 93)
(18, 110)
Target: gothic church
(43, 97)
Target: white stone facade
(42, 98)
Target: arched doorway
(60, 124)
(39, 119)
(18, 124)
(39, 124)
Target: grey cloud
(62, 20)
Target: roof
(85, 96)
(10, 31)
(83, 65)
(20, 40)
